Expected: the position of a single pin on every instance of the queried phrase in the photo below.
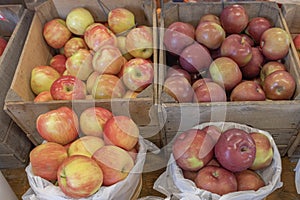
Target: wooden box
(19, 100)
(14, 147)
(280, 118)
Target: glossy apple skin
(78, 19)
(269, 68)
(177, 36)
(93, 119)
(56, 33)
(249, 180)
(108, 86)
(122, 132)
(279, 85)
(252, 69)
(235, 150)
(234, 19)
(193, 149)
(46, 158)
(264, 151)
(237, 48)
(177, 70)
(79, 176)
(73, 45)
(275, 43)
(257, 26)
(3, 44)
(60, 125)
(247, 91)
(213, 131)
(179, 88)
(210, 92)
(43, 97)
(115, 162)
(86, 146)
(68, 88)
(58, 62)
(120, 20)
(42, 78)
(216, 180)
(138, 74)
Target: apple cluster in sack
(222, 160)
(94, 60)
(94, 155)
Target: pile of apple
(223, 161)
(227, 58)
(95, 60)
(3, 44)
(103, 155)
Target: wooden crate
(280, 118)
(14, 147)
(19, 100)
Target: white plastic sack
(42, 189)
(297, 177)
(172, 183)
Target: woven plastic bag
(173, 184)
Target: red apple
(193, 149)
(225, 72)
(43, 97)
(191, 175)
(235, 150)
(210, 92)
(46, 158)
(58, 62)
(213, 162)
(269, 68)
(79, 177)
(3, 44)
(60, 125)
(68, 88)
(253, 67)
(257, 26)
(56, 33)
(120, 20)
(200, 82)
(234, 18)
(210, 18)
(178, 71)
(178, 36)
(213, 131)
(216, 180)
(121, 131)
(93, 119)
(73, 45)
(78, 19)
(85, 146)
(248, 39)
(264, 151)
(115, 162)
(279, 85)
(237, 48)
(275, 43)
(210, 34)
(249, 180)
(296, 42)
(247, 91)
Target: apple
(60, 125)
(247, 91)
(234, 18)
(46, 158)
(237, 48)
(191, 175)
(86, 146)
(216, 180)
(179, 88)
(68, 88)
(264, 151)
(279, 85)
(43, 97)
(73, 45)
(193, 149)
(121, 131)
(249, 180)
(93, 119)
(56, 33)
(90, 82)
(178, 36)
(120, 20)
(225, 72)
(213, 131)
(98, 35)
(115, 162)
(275, 43)
(195, 58)
(176, 70)
(78, 19)
(121, 44)
(138, 74)
(200, 82)
(58, 62)
(296, 42)
(108, 59)
(42, 78)
(139, 42)
(210, 92)
(3, 44)
(269, 68)
(253, 67)
(248, 39)
(210, 34)
(257, 26)
(108, 86)
(213, 162)
(80, 64)
(210, 18)
(79, 176)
